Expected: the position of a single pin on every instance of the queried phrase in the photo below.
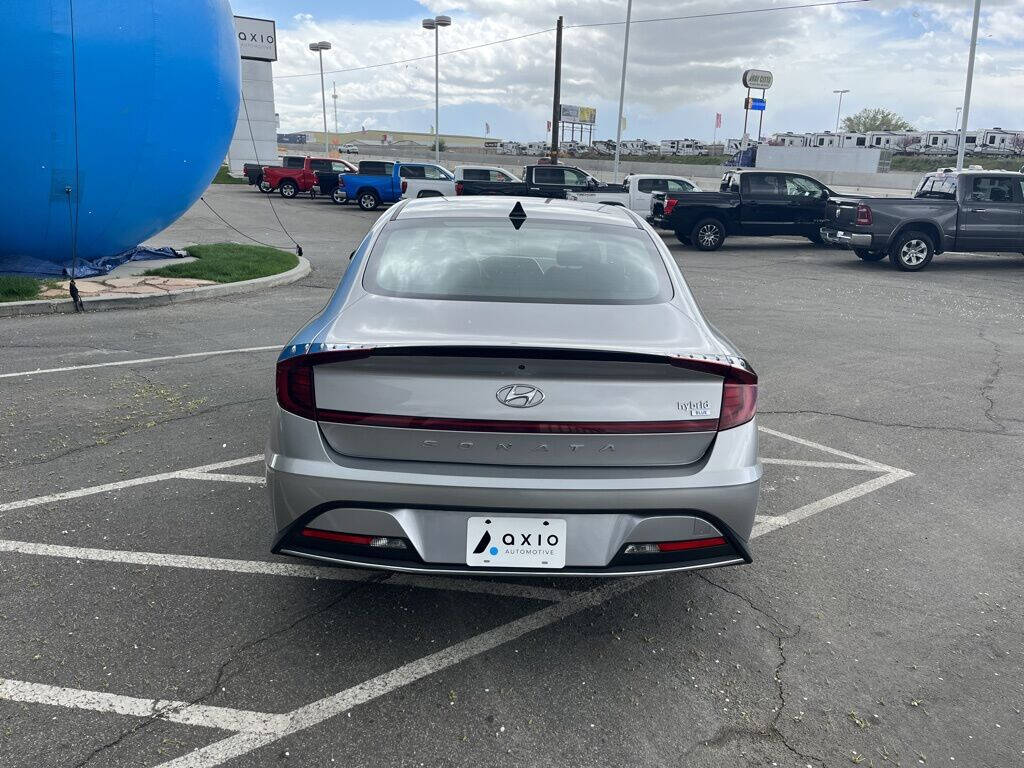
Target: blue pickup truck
(385, 182)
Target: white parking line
(118, 485)
(184, 712)
(138, 361)
(195, 562)
(257, 729)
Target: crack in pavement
(219, 677)
(990, 382)
(725, 733)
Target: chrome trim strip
(515, 572)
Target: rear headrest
(997, 195)
(572, 254)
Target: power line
(719, 13)
(580, 26)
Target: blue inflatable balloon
(117, 114)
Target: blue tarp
(32, 267)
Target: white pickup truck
(636, 191)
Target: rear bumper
(846, 239)
(428, 506)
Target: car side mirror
(591, 183)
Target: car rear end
(849, 222)
(555, 413)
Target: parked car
(375, 183)
(483, 173)
(968, 210)
(427, 180)
(254, 171)
(513, 387)
(290, 181)
(349, 149)
(637, 191)
(749, 202)
(538, 181)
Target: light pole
(320, 47)
(622, 89)
(956, 119)
(436, 23)
(334, 96)
(840, 107)
(967, 89)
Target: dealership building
(255, 137)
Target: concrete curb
(57, 306)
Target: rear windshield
(939, 187)
(544, 261)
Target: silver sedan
(504, 386)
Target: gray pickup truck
(967, 210)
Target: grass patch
(223, 177)
(229, 263)
(18, 288)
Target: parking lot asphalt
(143, 621)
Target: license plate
(515, 542)
(840, 233)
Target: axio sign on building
(257, 38)
(255, 139)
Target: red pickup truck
(292, 178)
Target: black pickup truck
(749, 202)
(968, 210)
(538, 181)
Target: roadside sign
(755, 104)
(760, 79)
(257, 38)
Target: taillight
(739, 390)
(295, 391)
(458, 187)
(670, 203)
(863, 215)
(405, 186)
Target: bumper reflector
(673, 546)
(381, 542)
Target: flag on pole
(549, 126)
(718, 119)
(487, 129)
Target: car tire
(288, 189)
(339, 196)
(866, 255)
(912, 251)
(369, 200)
(265, 187)
(684, 239)
(708, 235)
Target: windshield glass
(544, 261)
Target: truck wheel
(265, 186)
(368, 200)
(708, 235)
(815, 237)
(912, 251)
(684, 239)
(288, 189)
(866, 255)
(339, 196)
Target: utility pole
(622, 88)
(334, 95)
(556, 109)
(839, 109)
(962, 139)
(435, 24)
(319, 48)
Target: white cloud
(906, 56)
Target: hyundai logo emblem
(520, 396)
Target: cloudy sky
(907, 56)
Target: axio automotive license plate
(515, 542)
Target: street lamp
(434, 24)
(320, 47)
(840, 107)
